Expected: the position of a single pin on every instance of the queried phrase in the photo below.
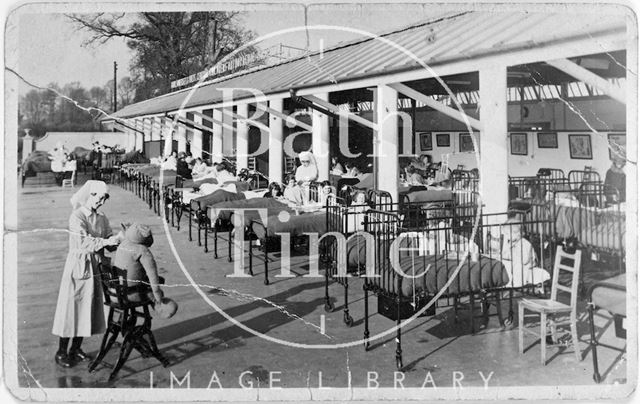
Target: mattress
(432, 273)
(297, 225)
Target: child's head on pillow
(512, 229)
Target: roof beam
(589, 78)
(189, 123)
(438, 106)
(289, 119)
(124, 124)
(337, 111)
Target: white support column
(156, 128)
(181, 131)
(494, 179)
(140, 136)
(27, 145)
(146, 128)
(320, 139)
(196, 145)
(242, 148)
(386, 151)
(276, 151)
(167, 134)
(216, 138)
(228, 141)
(128, 144)
(137, 145)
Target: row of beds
(436, 229)
(584, 211)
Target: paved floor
(201, 341)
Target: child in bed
(293, 193)
(518, 256)
(274, 191)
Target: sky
(50, 48)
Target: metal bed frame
(386, 227)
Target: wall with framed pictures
(529, 151)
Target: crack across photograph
(323, 202)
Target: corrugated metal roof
(461, 37)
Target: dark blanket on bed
(191, 183)
(224, 210)
(154, 172)
(296, 225)
(430, 195)
(487, 273)
(571, 219)
(215, 197)
(37, 162)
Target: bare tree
(126, 91)
(167, 46)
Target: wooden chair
(123, 319)
(70, 182)
(547, 308)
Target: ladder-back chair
(548, 308)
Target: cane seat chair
(548, 309)
(129, 318)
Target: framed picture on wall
(580, 147)
(443, 140)
(466, 142)
(547, 140)
(519, 144)
(617, 145)
(425, 141)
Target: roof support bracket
(188, 123)
(330, 109)
(589, 78)
(126, 125)
(438, 106)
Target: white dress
(80, 312)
